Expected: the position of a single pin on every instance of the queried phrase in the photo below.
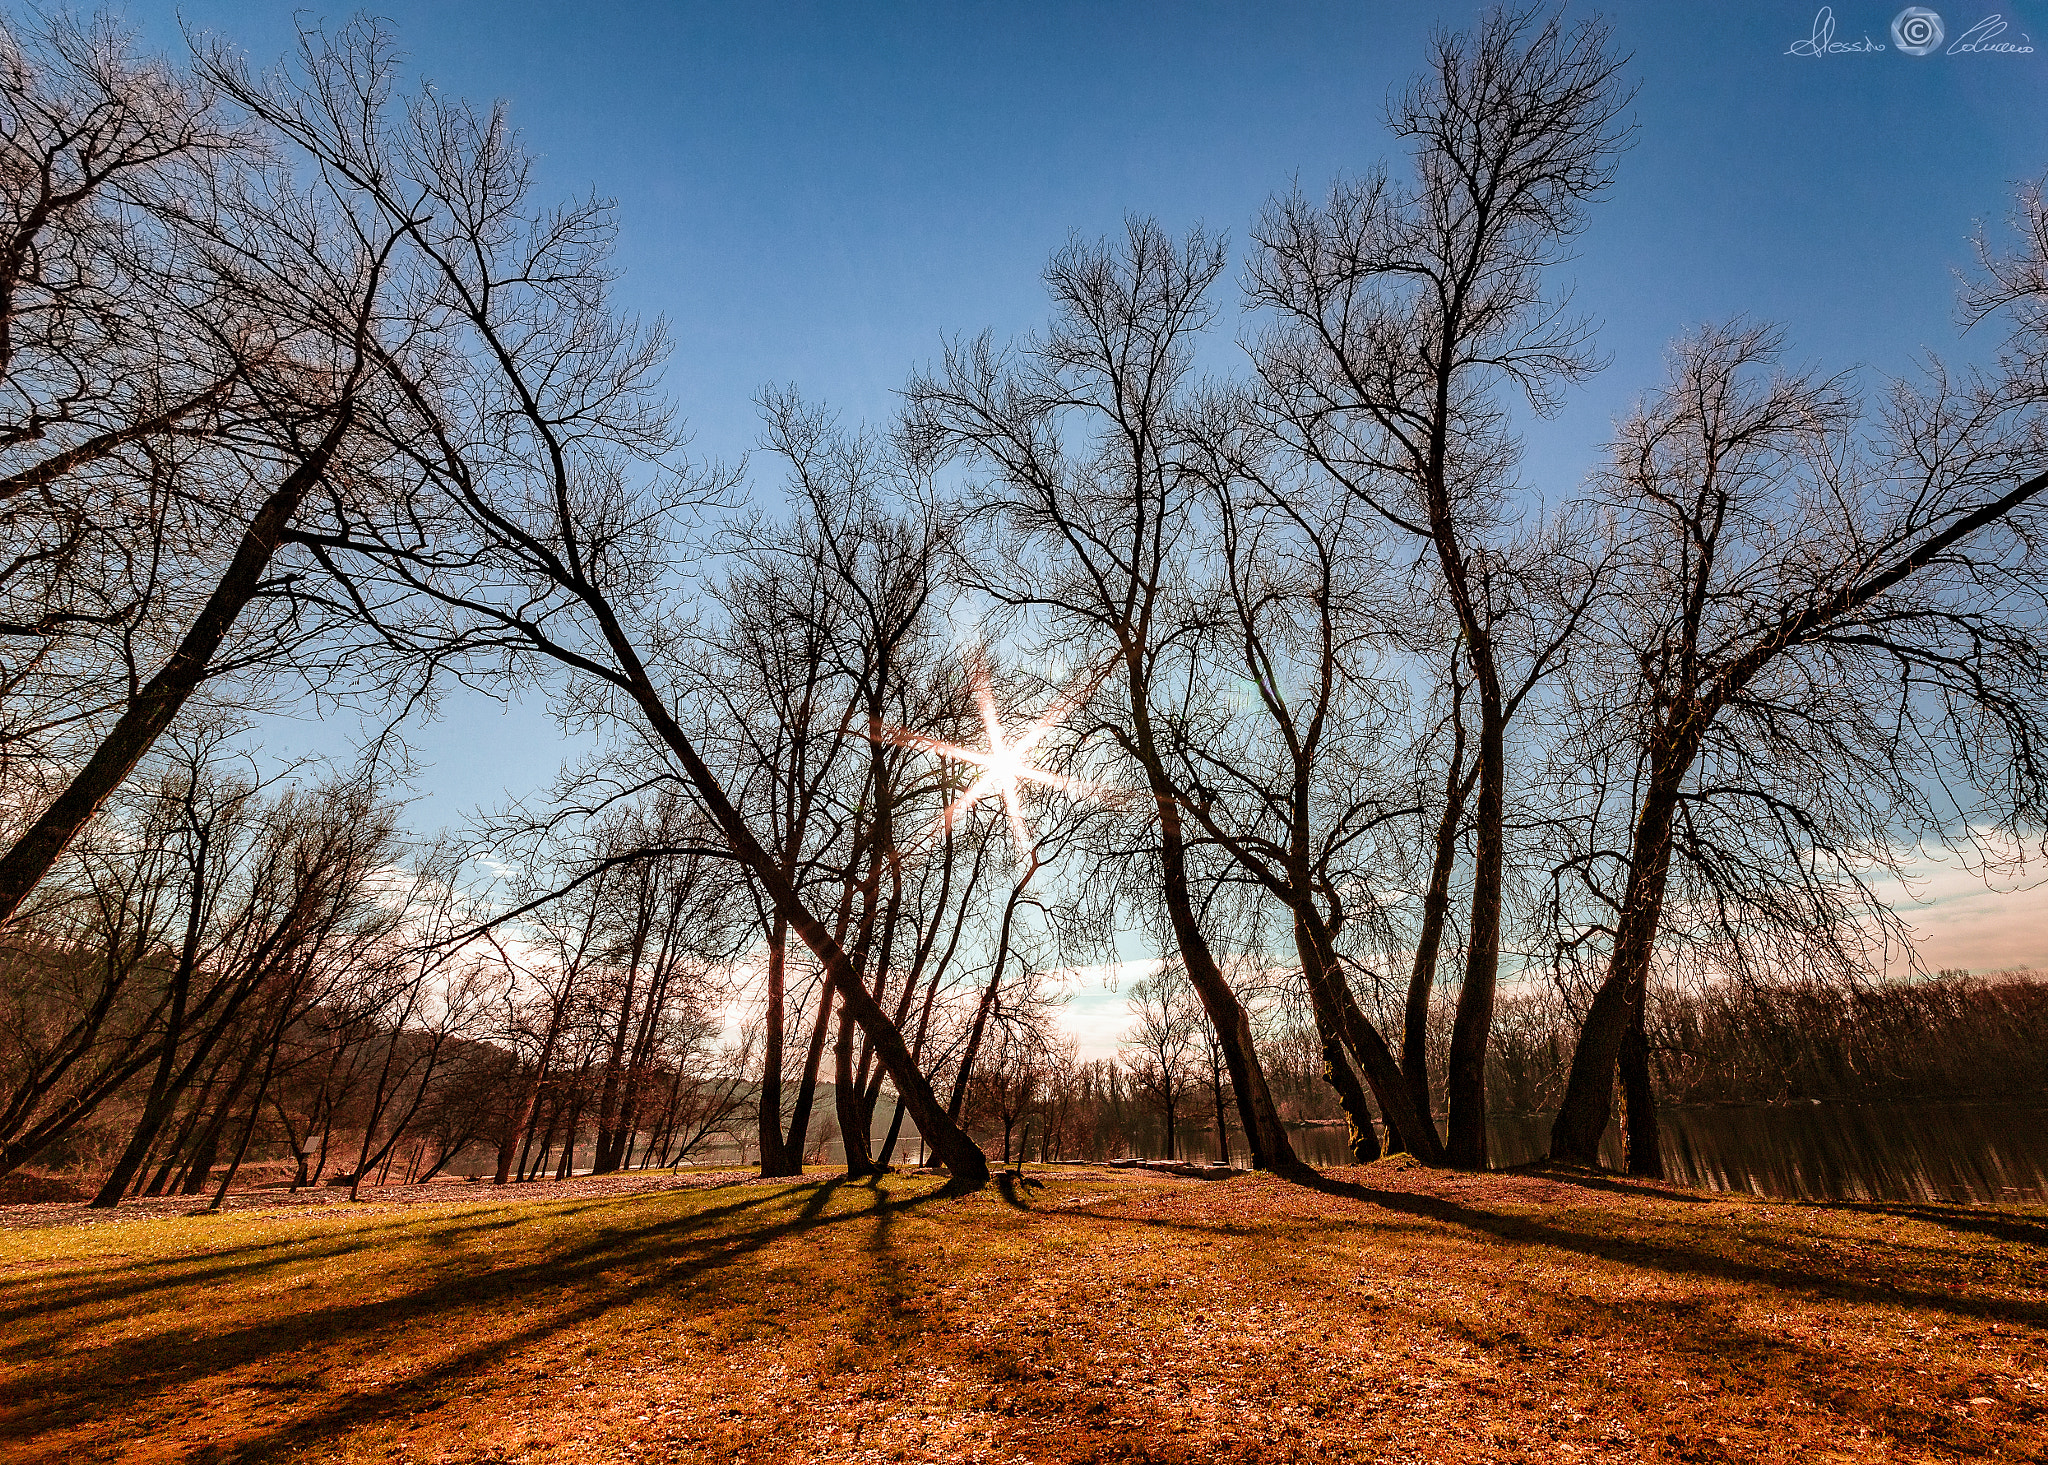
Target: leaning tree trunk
(955, 1150)
(1374, 1056)
(138, 727)
(1338, 1070)
(248, 1131)
(163, 1087)
(1588, 1104)
(1645, 1144)
(1264, 1133)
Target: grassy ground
(1087, 1315)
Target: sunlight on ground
(1087, 1315)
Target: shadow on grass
(1789, 1271)
(616, 1265)
(684, 1260)
(76, 1287)
(1540, 1322)
(1610, 1183)
(2026, 1230)
(1678, 1260)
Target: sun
(1008, 762)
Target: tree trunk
(1473, 1025)
(637, 1063)
(1645, 1145)
(1216, 1091)
(193, 1181)
(162, 1092)
(517, 1118)
(143, 721)
(207, 1152)
(567, 1168)
(888, 1151)
(791, 1158)
(1374, 1056)
(604, 1161)
(853, 1122)
(1588, 1103)
(1436, 909)
(520, 1135)
(972, 1050)
(1264, 1134)
(528, 1172)
(769, 1106)
(248, 1131)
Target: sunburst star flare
(1008, 762)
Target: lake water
(1824, 1151)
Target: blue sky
(819, 194)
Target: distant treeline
(1951, 1037)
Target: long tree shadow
(351, 1226)
(623, 1265)
(1702, 1336)
(1669, 1258)
(2026, 1230)
(1679, 1260)
(86, 1287)
(1605, 1181)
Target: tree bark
(1337, 1068)
(1645, 1144)
(1436, 909)
(1473, 1025)
(1264, 1134)
(846, 1101)
(1374, 1057)
(1588, 1105)
(768, 1107)
(144, 720)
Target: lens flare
(1008, 762)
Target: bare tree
(1088, 519)
(185, 337)
(546, 510)
(267, 894)
(1404, 315)
(1009, 1087)
(1290, 738)
(103, 392)
(1826, 639)
(1160, 1048)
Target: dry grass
(1090, 1315)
